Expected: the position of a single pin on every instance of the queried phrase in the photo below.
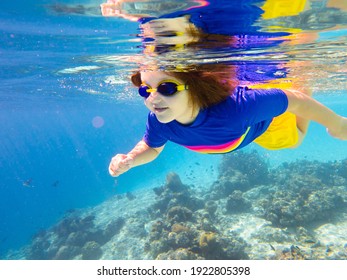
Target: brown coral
(207, 240)
(179, 228)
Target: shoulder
(249, 91)
(251, 95)
(260, 101)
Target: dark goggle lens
(167, 89)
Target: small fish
(316, 245)
(328, 249)
(309, 241)
(28, 183)
(55, 184)
(272, 247)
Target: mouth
(160, 109)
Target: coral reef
(252, 165)
(237, 203)
(180, 229)
(73, 237)
(307, 193)
(297, 210)
(240, 171)
(175, 193)
(91, 251)
(288, 208)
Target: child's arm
(139, 155)
(308, 108)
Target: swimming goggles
(166, 88)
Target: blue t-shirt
(222, 128)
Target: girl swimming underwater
(205, 112)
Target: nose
(154, 97)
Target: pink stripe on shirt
(219, 149)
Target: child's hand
(120, 164)
(340, 131)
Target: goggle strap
(150, 90)
(182, 87)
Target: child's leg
(286, 130)
(301, 123)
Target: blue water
(47, 135)
(59, 129)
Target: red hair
(208, 84)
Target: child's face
(168, 108)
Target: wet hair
(208, 85)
